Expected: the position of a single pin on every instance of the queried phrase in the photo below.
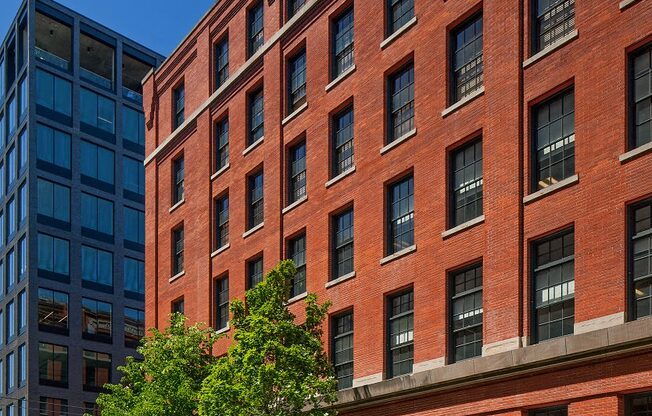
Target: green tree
(167, 381)
(275, 367)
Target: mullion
(297, 81)
(222, 143)
(401, 206)
(402, 102)
(343, 141)
(222, 313)
(467, 67)
(554, 22)
(343, 243)
(344, 42)
(297, 252)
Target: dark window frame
(401, 120)
(340, 247)
(343, 57)
(222, 302)
(178, 179)
(297, 180)
(391, 317)
(633, 237)
(629, 406)
(462, 296)
(222, 220)
(549, 411)
(255, 35)
(178, 248)
(342, 161)
(255, 202)
(178, 105)
(221, 133)
(633, 140)
(221, 61)
(255, 276)
(395, 23)
(341, 332)
(255, 109)
(477, 183)
(538, 44)
(294, 6)
(297, 80)
(297, 252)
(392, 237)
(456, 80)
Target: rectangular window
(343, 349)
(343, 141)
(96, 370)
(134, 275)
(22, 150)
(177, 180)
(466, 177)
(22, 365)
(221, 62)
(11, 219)
(297, 253)
(11, 269)
(53, 200)
(221, 143)
(22, 98)
(53, 407)
(53, 93)
(134, 225)
(401, 103)
(222, 303)
(554, 19)
(11, 166)
(179, 105)
(641, 259)
(342, 244)
(96, 320)
(466, 61)
(343, 42)
(22, 311)
(638, 405)
(96, 61)
(22, 258)
(97, 164)
(551, 411)
(177, 250)
(641, 93)
(466, 313)
(256, 200)
(401, 333)
(133, 175)
(11, 116)
(52, 146)
(554, 286)
(52, 311)
(133, 126)
(53, 255)
(400, 213)
(96, 214)
(399, 12)
(297, 173)
(22, 204)
(222, 221)
(97, 111)
(294, 6)
(11, 321)
(178, 306)
(554, 132)
(11, 372)
(97, 266)
(297, 81)
(256, 116)
(254, 272)
(134, 327)
(256, 25)
(53, 364)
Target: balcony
(96, 61)
(53, 42)
(133, 72)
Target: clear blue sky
(157, 24)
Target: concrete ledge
(571, 180)
(398, 141)
(551, 48)
(252, 146)
(599, 323)
(176, 276)
(429, 365)
(341, 77)
(339, 177)
(398, 254)
(634, 153)
(295, 113)
(363, 381)
(297, 298)
(253, 230)
(626, 3)
(462, 227)
(391, 38)
(295, 204)
(227, 328)
(177, 205)
(501, 346)
(220, 171)
(221, 249)
(339, 280)
(464, 101)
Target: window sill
(341, 77)
(391, 38)
(550, 49)
(339, 280)
(226, 329)
(295, 204)
(626, 3)
(552, 188)
(177, 276)
(462, 227)
(253, 146)
(398, 141)
(253, 230)
(294, 114)
(635, 153)
(341, 176)
(296, 298)
(398, 254)
(464, 101)
(220, 171)
(177, 205)
(220, 250)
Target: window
(641, 259)
(297, 172)
(11, 166)
(254, 272)
(97, 111)
(256, 26)
(11, 269)
(467, 64)
(554, 130)
(92, 409)
(178, 306)
(22, 258)
(53, 93)
(22, 204)
(222, 303)
(96, 214)
(222, 221)
(53, 364)
(256, 201)
(177, 251)
(96, 61)
(52, 310)
(97, 162)
(343, 349)
(22, 365)
(11, 372)
(401, 333)
(53, 407)
(52, 146)
(2, 123)
(400, 212)
(343, 244)
(22, 150)
(96, 320)
(134, 226)
(641, 93)
(638, 405)
(133, 176)
(179, 105)
(11, 321)
(554, 286)
(221, 144)
(133, 126)
(53, 200)
(53, 255)
(97, 266)
(401, 103)
(134, 275)
(96, 370)
(256, 117)
(22, 311)
(294, 6)
(22, 98)
(466, 313)
(297, 253)
(551, 411)
(297, 81)
(466, 177)
(134, 327)
(400, 12)
(221, 62)
(343, 43)
(554, 19)
(343, 141)
(177, 180)
(11, 218)
(11, 116)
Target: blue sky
(157, 24)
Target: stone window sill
(626, 3)
(635, 153)
(177, 205)
(464, 101)
(341, 176)
(398, 141)
(294, 114)
(253, 146)
(177, 276)
(221, 250)
(462, 227)
(398, 254)
(552, 188)
(551, 48)
(253, 230)
(297, 298)
(295, 204)
(220, 171)
(341, 279)
(341, 77)
(391, 38)
(227, 328)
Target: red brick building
(469, 182)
